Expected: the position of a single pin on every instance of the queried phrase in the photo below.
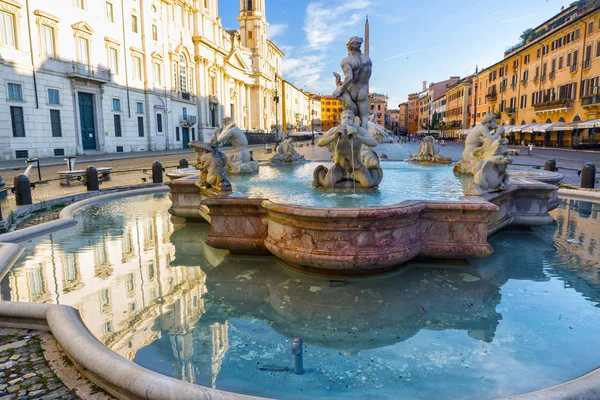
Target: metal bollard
(550, 165)
(91, 178)
(157, 172)
(298, 353)
(183, 163)
(251, 155)
(22, 189)
(588, 176)
(3, 193)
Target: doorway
(185, 136)
(87, 121)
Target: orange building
(378, 107)
(331, 108)
(403, 115)
(413, 113)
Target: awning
(543, 128)
(594, 123)
(521, 128)
(565, 127)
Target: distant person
(529, 148)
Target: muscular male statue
(353, 91)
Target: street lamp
(276, 100)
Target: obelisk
(367, 36)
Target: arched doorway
(561, 119)
(549, 121)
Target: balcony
(587, 64)
(492, 96)
(553, 106)
(502, 88)
(543, 78)
(187, 120)
(513, 85)
(183, 96)
(552, 75)
(88, 72)
(536, 79)
(573, 68)
(524, 82)
(591, 102)
(510, 111)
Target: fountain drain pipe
(297, 352)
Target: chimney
(424, 86)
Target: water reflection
(151, 290)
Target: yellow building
(423, 110)
(458, 101)
(552, 78)
(331, 108)
(378, 108)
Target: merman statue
(240, 162)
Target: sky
(411, 40)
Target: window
(117, 119)
(134, 23)
(18, 124)
(524, 101)
(249, 4)
(113, 60)
(53, 96)
(15, 92)
(47, 36)
(7, 33)
(110, 16)
(561, 60)
(177, 134)
(154, 32)
(591, 27)
(80, 4)
(156, 73)
(575, 57)
(569, 57)
(139, 107)
(159, 126)
(55, 122)
(116, 105)
(137, 68)
(526, 59)
(140, 126)
(83, 51)
(249, 34)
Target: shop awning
(543, 128)
(520, 128)
(593, 123)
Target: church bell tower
(253, 24)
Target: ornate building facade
(83, 76)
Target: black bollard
(91, 179)
(157, 172)
(588, 176)
(3, 193)
(550, 165)
(183, 163)
(22, 189)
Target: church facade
(87, 76)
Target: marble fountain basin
(359, 240)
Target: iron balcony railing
(188, 120)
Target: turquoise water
(148, 287)
(292, 183)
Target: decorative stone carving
(491, 175)
(479, 136)
(429, 152)
(380, 134)
(286, 152)
(353, 91)
(211, 162)
(345, 143)
(240, 162)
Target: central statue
(353, 91)
(345, 141)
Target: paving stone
(29, 375)
(9, 397)
(34, 394)
(8, 365)
(14, 357)
(15, 381)
(52, 386)
(56, 394)
(37, 386)
(13, 389)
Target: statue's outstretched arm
(365, 138)
(348, 76)
(327, 138)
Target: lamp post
(276, 99)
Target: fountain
(429, 152)
(286, 152)
(355, 239)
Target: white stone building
(86, 76)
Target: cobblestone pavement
(32, 366)
(24, 372)
(568, 162)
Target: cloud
(325, 23)
(275, 30)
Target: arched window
(183, 73)
(534, 122)
(549, 121)
(577, 118)
(561, 119)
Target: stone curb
(127, 380)
(66, 216)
